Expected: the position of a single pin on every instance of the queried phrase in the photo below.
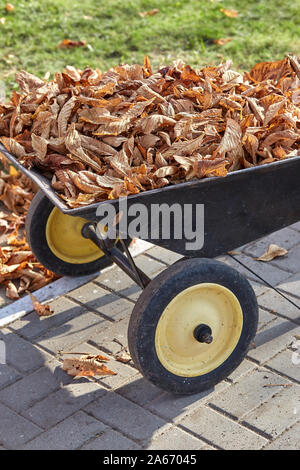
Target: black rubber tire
(35, 228)
(154, 299)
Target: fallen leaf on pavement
(272, 252)
(41, 310)
(99, 357)
(86, 366)
(124, 357)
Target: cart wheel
(56, 240)
(192, 325)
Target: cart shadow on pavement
(41, 407)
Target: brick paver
(31, 326)
(8, 375)
(20, 354)
(112, 339)
(256, 407)
(273, 338)
(76, 331)
(127, 417)
(176, 439)
(249, 393)
(291, 286)
(173, 408)
(277, 414)
(140, 391)
(107, 304)
(59, 405)
(283, 364)
(276, 303)
(14, 429)
(296, 226)
(289, 440)
(221, 431)
(71, 433)
(111, 440)
(272, 274)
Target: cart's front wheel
(57, 242)
(192, 325)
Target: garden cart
(193, 323)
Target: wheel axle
(203, 334)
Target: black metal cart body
(193, 323)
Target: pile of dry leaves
(102, 136)
(19, 270)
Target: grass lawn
(115, 33)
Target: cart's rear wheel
(57, 242)
(192, 325)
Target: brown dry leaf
(28, 82)
(143, 14)
(124, 357)
(151, 123)
(19, 270)
(73, 144)
(229, 13)
(165, 171)
(222, 41)
(251, 144)
(69, 44)
(40, 146)
(232, 137)
(101, 136)
(147, 67)
(206, 167)
(272, 252)
(11, 291)
(64, 116)
(86, 366)
(269, 70)
(41, 310)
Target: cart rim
(208, 304)
(65, 239)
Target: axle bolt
(203, 334)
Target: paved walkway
(257, 407)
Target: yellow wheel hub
(207, 304)
(65, 240)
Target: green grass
(115, 33)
